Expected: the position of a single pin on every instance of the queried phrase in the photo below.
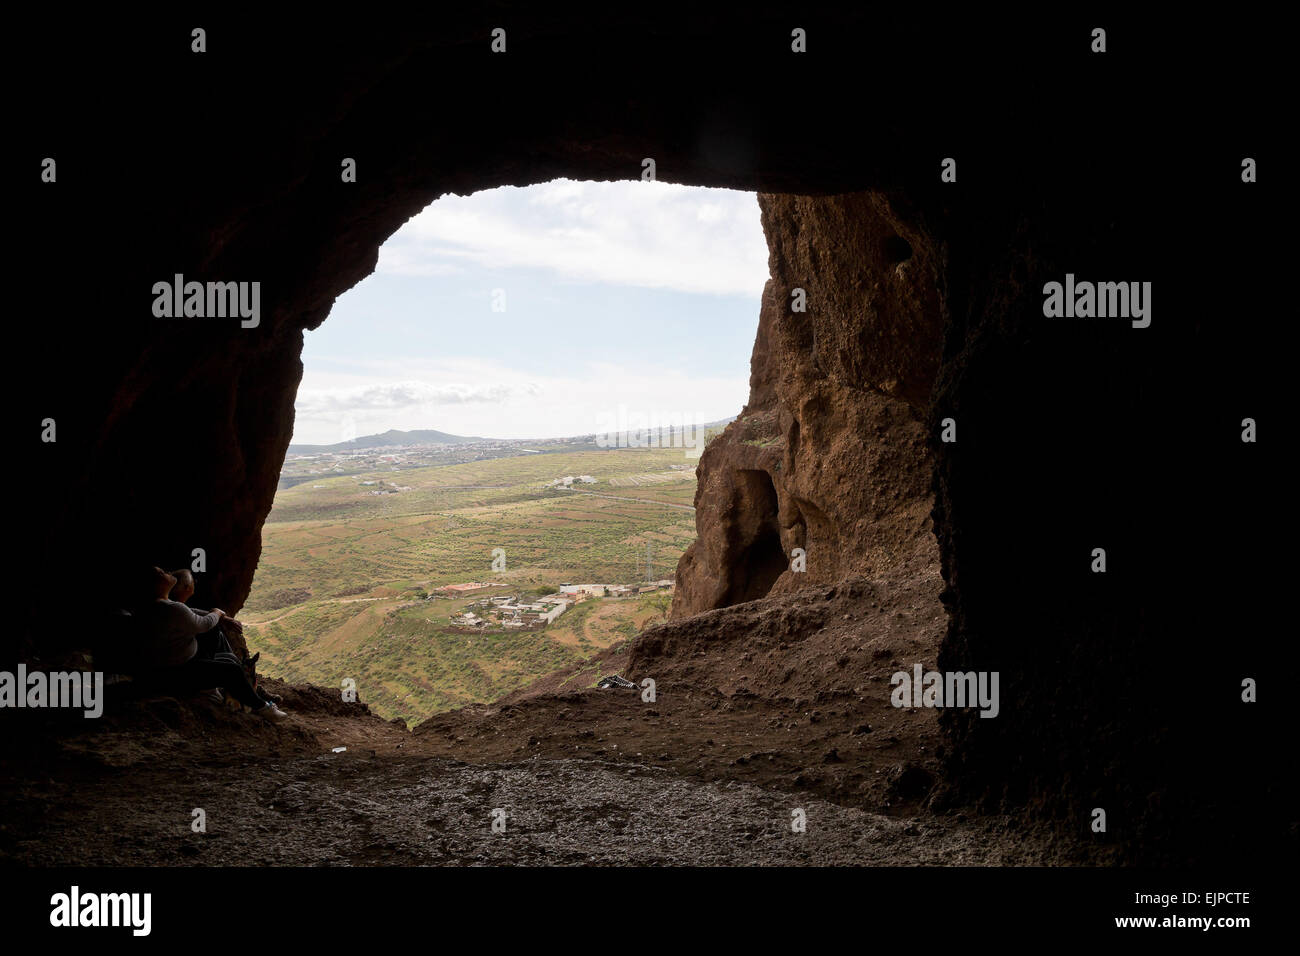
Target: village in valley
(515, 611)
(375, 558)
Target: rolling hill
(423, 436)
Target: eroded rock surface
(830, 455)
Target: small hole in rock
(897, 249)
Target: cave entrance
(759, 557)
(492, 472)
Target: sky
(542, 312)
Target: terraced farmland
(340, 588)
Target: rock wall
(830, 455)
(1122, 688)
(1118, 685)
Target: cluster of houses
(385, 487)
(508, 611)
(568, 481)
(616, 590)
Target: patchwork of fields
(340, 589)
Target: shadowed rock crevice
(755, 538)
(897, 250)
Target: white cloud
(650, 235)
(403, 395)
(569, 367)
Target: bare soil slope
(761, 710)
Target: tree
(660, 601)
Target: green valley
(349, 561)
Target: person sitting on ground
(227, 637)
(170, 649)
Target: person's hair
(184, 578)
(151, 578)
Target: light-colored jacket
(168, 633)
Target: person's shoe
(213, 694)
(272, 713)
(268, 696)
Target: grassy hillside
(340, 587)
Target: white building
(592, 590)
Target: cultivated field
(340, 587)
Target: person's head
(184, 589)
(162, 582)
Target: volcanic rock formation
(830, 455)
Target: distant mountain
(430, 437)
(425, 436)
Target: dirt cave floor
(764, 712)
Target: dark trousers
(213, 642)
(215, 665)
